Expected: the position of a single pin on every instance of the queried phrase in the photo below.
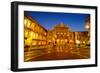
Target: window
(28, 24)
(25, 21)
(28, 41)
(33, 26)
(34, 35)
(26, 33)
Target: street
(57, 53)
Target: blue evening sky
(75, 21)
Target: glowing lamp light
(84, 42)
(77, 41)
(66, 40)
(25, 21)
(87, 27)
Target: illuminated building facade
(88, 24)
(34, 35)
(61, 36)
(88, 28)
(81, 38)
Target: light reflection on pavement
(56, 53)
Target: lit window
(77, 41)
(84, 42)
(57, 40)
(26, 33)
(44, 33)
(25, 21)
(71, 41)
(33, 42)
(57, 33)
(36, 36)
(61, 33)
(33, 35)
(29, 23)
(66, 40)
(33, 25)
(39, 43)
(28, 41)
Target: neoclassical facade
(61, 35)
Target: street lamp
(87, 27)
(77, 41)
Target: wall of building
(81, 38)
(61, 35)
(88, 25)
(35, 37)
(34, 34)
